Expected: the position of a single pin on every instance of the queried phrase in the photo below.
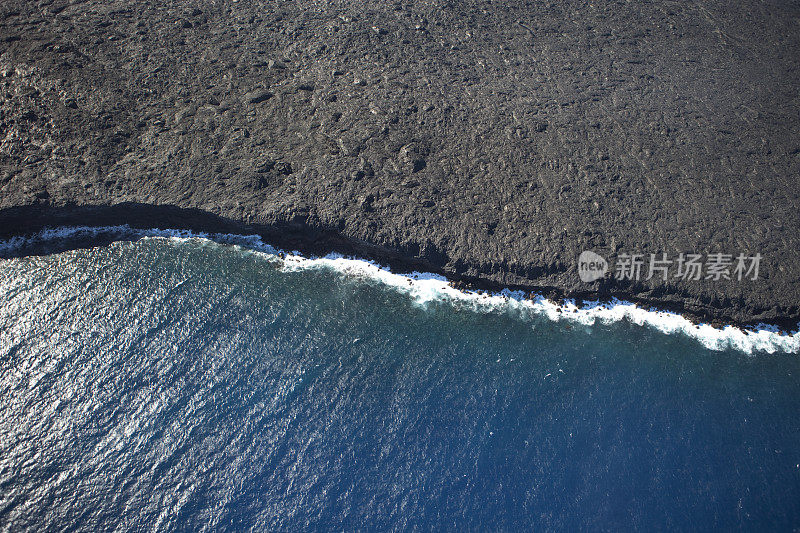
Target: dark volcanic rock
(256, 97)
(490, 141)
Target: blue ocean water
(185, 384)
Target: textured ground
(489, 140)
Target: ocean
(164, 380)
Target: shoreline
(438, 140)
(68, 237)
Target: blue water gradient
(194, 386)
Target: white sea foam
(425, 288)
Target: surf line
(425, 288)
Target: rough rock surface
(492, 141)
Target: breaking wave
(425, 288)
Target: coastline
(425, 287)
(320, 241)
(490, 144)
(404, 265)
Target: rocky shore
(489, 141)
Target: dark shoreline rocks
(490, 142)
(313, 241)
